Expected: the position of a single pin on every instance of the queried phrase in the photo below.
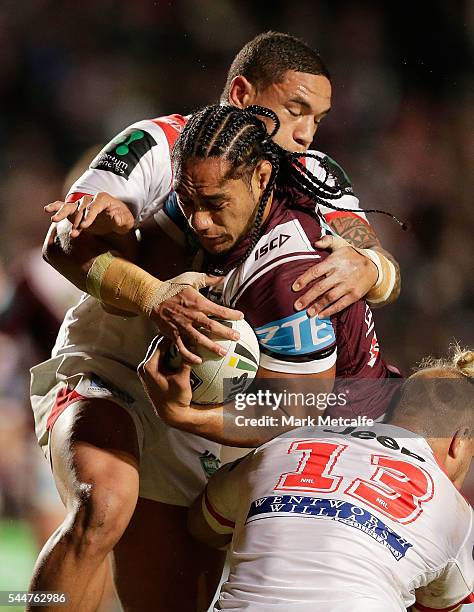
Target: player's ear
(459, 443)
(261, 176)
(241, 92)
(459, 455)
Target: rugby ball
(219, 379)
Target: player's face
(219, 210)
(301, 101)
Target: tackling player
(361, 519)
(273, 70)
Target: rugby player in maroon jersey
(252, 210)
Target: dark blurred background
(73, 74)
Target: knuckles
(57, 204)
(102, 197)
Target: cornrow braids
(263, 111)
(241, 137)
(273, 158)
(273, 153)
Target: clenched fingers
(108, 214)
(102, 213)
(73, 211)
(63, 210)
(82, 208)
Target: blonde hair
(438, 397)
(460, 361)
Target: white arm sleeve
(221, 497)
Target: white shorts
(174, 465)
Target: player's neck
(268, 207)
(409, 424)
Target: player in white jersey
(360, 518)
(86, 419)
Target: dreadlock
(240, 137)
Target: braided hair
(240, 137)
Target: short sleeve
(455, 584)
(320, 166)
(134, 167)
(221, 497)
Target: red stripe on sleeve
(220, 519)
(73, 197)
(340, 213)
(172, 126)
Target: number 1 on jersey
(314, 469)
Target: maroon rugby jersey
(290, 341)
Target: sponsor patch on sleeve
(124, 152)
(297, 336)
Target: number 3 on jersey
(397, 488)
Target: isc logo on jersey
(296, 335)
(287, 238)
(275, 243)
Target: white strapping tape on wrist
(96, 273)
(386, 279)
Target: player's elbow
(200, 529)
(52, 247)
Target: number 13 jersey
(361, 520)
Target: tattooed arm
(346, 275)
(362, 236)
